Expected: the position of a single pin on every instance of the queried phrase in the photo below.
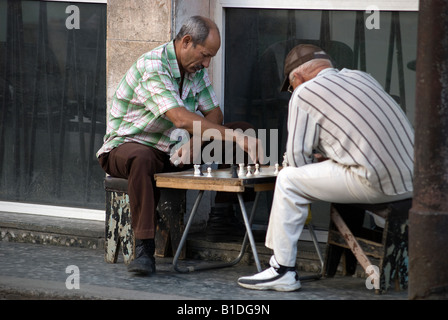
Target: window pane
(52, 102)
(257, 41)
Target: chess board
(219, 180)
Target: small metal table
(221, 180)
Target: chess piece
(197, 170)
(276, 169)
(249, 171)
(209, 171)
(233, 172)
(285, 161)
(241, 172)
(257, 169)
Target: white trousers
(296, 188)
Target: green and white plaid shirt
(148, 90)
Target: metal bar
(362, 44)
(325, 36)
(81, 108)
(319, 254)
(359, 47)
(252, 214)
(396, 18)
(249, 232)
(35, 103)
(43, 28)
(7, 86)
(21, 106)
(11, 40)
(91, 160)
(390, 54)
(183, 240)
(64, 106)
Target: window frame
(55, 210)
(220, 6)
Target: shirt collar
(172, 60)
(323, 72)
(327, 71)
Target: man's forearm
(215, 116)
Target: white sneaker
(271, 279)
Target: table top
(220, 180)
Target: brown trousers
(138, 163)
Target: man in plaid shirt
(164, 90)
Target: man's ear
(186, 40)
(299, 77)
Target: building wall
(187, 8)
(133, 28)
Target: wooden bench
(170, 225)
(347, 237)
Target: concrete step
(48, 230)
(69, 232)
(201, 249)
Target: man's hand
(319, 157)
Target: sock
(284, 269)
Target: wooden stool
(389, 244)
(170, 226)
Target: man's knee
(284, 174)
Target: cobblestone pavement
(48, 272)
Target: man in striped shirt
(162, 92)
(357, 128)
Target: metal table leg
(185, 234)
(318, 275)
(247, 223)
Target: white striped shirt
(348, 117)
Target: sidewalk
(46, 271)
